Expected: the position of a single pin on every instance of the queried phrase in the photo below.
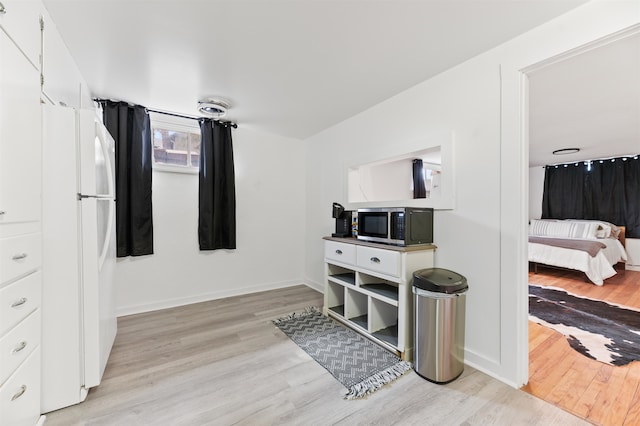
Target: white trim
(595, 44)
(172, 168)
(170, 122)
(315, 285)
(522, 291)
(182, 301)
(514, 126)
(176, 124)
(492, 374)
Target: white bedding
(597, 268)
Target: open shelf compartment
(379, 288)
(383, 319)
(357, 309)
(341, 275)
(335, 298)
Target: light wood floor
(223, 362)
(597, 392)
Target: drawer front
(379, 260)
(18, 300)
(341, 252)
(20, 395)
(18, 343)
(19, 255)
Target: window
(176, 143)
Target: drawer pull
(3, 10)
(19, 256)
(19, 302)
(2, 211)
(21, 392)
(19, 347)
(375, 260)
(338, 251)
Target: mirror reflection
(415, 175)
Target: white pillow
(603, 230)
(563, 229)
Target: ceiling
(590, 101)
(288, 67)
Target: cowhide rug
(596, 329)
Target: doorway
(588, 99)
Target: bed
(592, 247)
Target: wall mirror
(388, 182)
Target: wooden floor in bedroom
(597, 392)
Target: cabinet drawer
(18, 300)
(19, 255)
(20, 395)
(18, 343)
(379, 260)
(341, 252)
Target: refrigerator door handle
(108, 151)
(98, 197)
(107, 239)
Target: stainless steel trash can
(439, 307)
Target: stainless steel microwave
(401, 226)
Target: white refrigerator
(78, 229)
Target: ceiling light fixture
(213, 107)
(565, 151)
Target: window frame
(177, 124)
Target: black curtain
(419, 186)
(130, 127)
(607, 190)
(217, 192)
(557, 201)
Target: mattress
(597, 268)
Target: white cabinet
(20, 220)
(368, 288)
(62, 82)
(20, 329)
(21, 20)
(20, 394)
(20, 135)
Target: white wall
(270, 231)
(536, 188)
(484, 237)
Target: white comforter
(597, 268)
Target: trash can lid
(439, 280)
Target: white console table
(368, 287)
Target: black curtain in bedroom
(217, 193)
(131, 130)
(607, 190)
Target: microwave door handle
(393, 221)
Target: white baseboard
(172, 303)
(315, 285)
(491, 374)
(632, 267)
(487, 366)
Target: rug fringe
(309, 310)
(375, 382)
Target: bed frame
(620, 266)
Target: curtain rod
(173, 114)
(190, 117)
(622, 157)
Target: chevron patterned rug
(359, 364)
